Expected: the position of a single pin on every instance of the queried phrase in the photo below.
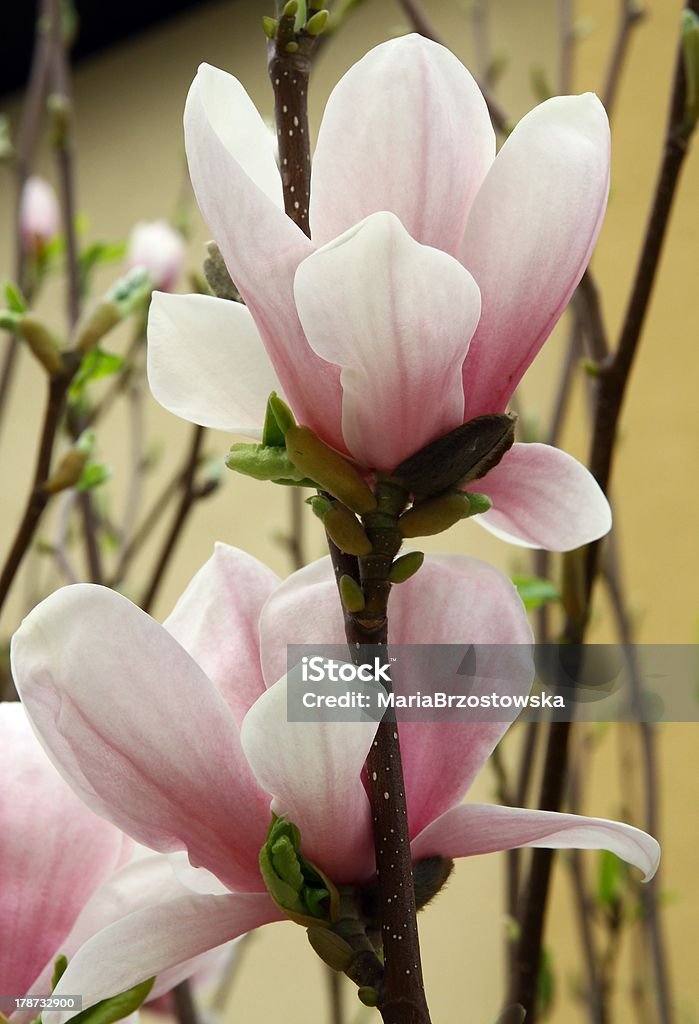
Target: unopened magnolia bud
(331, 948)
(98, 322)
(330, 470)
(352, 596)
(160, 250)
(217, 276)
(343, 527)
(262, 462)
(68, 473)
(434, 515)
(406, 566)
(464, 454)
(316, 25)
(41, 343)
(39, 215)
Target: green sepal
(315, 459)
(278, 419)
(478, 503)
(117, 1007)
(332, 949)
(367, 995)
(263, 462)
(298, 887)
(434, 515)
(317, 24)
(269, 26)
(320, 506)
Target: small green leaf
(117, 1007)
(263, 462)
(14, 300)
(96, 364)
(93, 475)
(536, 591)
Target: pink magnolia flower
(435, 272)
(65, 872)
(160, 250)
(179, 735)
(39, 216)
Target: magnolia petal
(157, 939)
(313, 770)
(451, 600)
(304, 609)
(138, 731)
(471, 829)
(54, 853)
(529, 237)
(216, 621)
(421, 144)
(262, 247)
(457, 600)
(207, 362)
(397, 317)
(544, 498)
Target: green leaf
(263, 462)
(536, 591)
(14, 300)
(98, 254)
(117, 1007)
(93, 475)
(96, 363)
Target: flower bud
(406, 566)
(160, 250)
(351, 594)
(330, 470)
(343, 527)
(296, 886)
(41, 343)
(434, 515)
(331, 948)
(68, 473)
(39, 215)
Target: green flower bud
(434, 515)
(316, 25)
(406, 566)
(262, 462)
(41, 343)
(68, 473)
(479, 503)
(98, 322)
(368, 995)
(290, 9)
(333, 473)
(464, 454)
(331, 948)
(351, 594)
(343, 527)
(319, 505)
(269, 27)
(297, 887)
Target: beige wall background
(129, 105)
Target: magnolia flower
(158, 248)
(39, 216)
(179, 735)
(435, 272)
(65, 873)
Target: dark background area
(100, 25)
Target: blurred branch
(629, 17)
(28, 132)
(613, 382)
(416, 16)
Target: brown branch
(629, 17)
(28, 133)
(422, 25)
(188, 498)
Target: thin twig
(630, 16)
(612, 388)
(185, 1008)
(421, 24)
(26, 146)
(566, 47)
(187, 500)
